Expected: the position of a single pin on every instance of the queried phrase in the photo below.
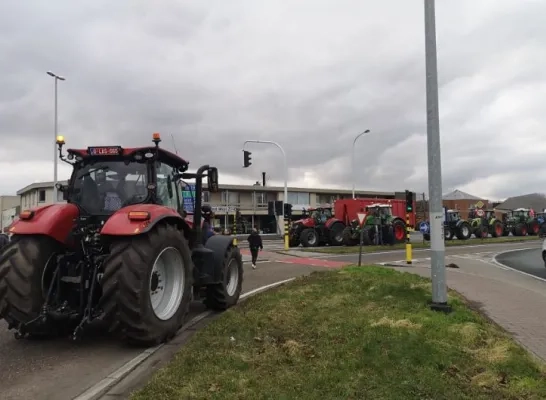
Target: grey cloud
(309, 75)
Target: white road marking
(101, 387)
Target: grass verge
(356, 333)
(419, 245)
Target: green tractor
(520, 222)
(379, 226)
(484, 223)
(454, 226)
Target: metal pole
(56, 132)
(286, 244)
(55, 148)
(437, 245)
(353, 158)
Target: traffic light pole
(285, 233)
(409, 209)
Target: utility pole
(437, 245)
(56, 132)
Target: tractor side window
(167, 194)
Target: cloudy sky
(310, 75)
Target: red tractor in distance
(318, 228)
(120, 250)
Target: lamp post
(285, 233)
(353, 158)
(57, 78)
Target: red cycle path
(315, 262)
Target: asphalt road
(529, 261)
(396, 255)
(60, 369)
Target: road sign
(361, 218)
(423, 227)
(480, 213)
(188, 195)
(479, 204)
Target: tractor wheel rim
(167, 283)
(498, 230)
(399, 232)
(232, 277)
(311, 238)
(464, 231)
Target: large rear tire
(463, 231)
(221, 296)
(147, 285)
(22, 266)
(336, 234)
(4, 240)
(497, 229)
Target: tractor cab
(381, 211)
(453, 216)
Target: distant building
(8, 205)
(536, 201)
(462, 201)
(250, 200)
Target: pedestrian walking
(255, 244)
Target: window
(167, 191)
(325, 198)
(106, 186)
(230, 197)
(41, 195)
(206, 197)
(299, 198)
(260, 198)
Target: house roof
(536, 201)
(460, 195)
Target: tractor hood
(309, 222)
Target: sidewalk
(514, 301)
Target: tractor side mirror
(63, 189)
(212, 178)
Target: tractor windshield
(520, 213)
(104, 187)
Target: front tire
(221, 296)
(147, 285)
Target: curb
(101, 388)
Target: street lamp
(353, 158)
(286, 246)
(57, 78)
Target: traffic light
(247, 159)
(409, 201)
(287, 210)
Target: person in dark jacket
(255, 244)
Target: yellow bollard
(408, 242)
(286, 230)
(235, 228)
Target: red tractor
(317, 228)
(120, 250)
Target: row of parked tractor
(484, 223)
(384, 222)
(340, 225)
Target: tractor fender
(53, 220)
(219, 245)
(119, 223)
(332, 221)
